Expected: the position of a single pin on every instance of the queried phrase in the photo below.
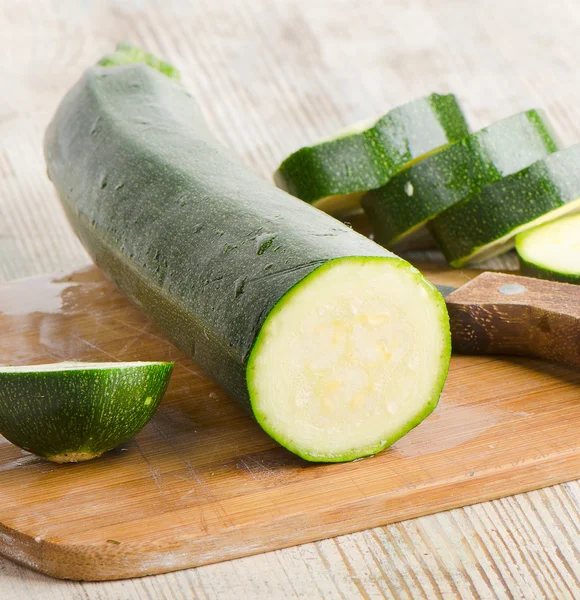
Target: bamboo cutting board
(202, 483)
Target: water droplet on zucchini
(239, 286)
(263, 242)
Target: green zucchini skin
(532, 270)
(363, 161)
(202, 244)
(427, 188)
(503, 209)
(74, 414)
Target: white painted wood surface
(272, 75)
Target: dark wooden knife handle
(497, 313)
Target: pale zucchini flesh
(552, 251)
(349, 360)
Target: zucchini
(552, 251)
(334, 173)
(75, 411)
(486, 224)
(336, 346)
(426, 189)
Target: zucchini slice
(426, 189)
(552, 251)
(337, 346)
(486, 224)
(334, 173)
(75, 411)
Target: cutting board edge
(102, 562)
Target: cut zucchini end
(508, 241)
(73, 365)
(552, 250)
(76, 411)
(350, 359)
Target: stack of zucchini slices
(336, 172)
(418, 168)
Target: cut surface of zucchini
(552, 251)
(333, 173)
(342, 371)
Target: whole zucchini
(337, 346)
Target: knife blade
(497, 313)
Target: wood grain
(496, 314)
(273, 75)
(202, 483)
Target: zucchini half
(75, 411)
(552, 251)
(486, 224)
(337, 346)
(424, 190)
(334, 173)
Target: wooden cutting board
(202, 483)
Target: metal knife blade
(445, 290)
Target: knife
(496, 313)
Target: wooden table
(271, 76)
